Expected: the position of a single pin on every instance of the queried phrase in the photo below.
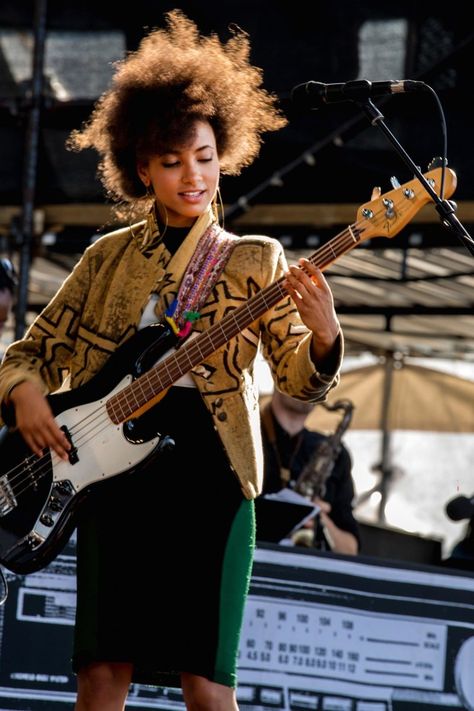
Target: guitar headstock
(386, 215)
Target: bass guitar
(108, 419)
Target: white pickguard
(102, 449)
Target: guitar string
(33, 460)
(318, 258)
(122, 401)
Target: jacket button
(218, 402)
(222, 416)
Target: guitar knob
(55, 504)
(64, 488)
(394, 182)
(34, 540)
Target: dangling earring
(153, 227)
(217, 205)
(157, 214)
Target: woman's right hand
(35, 420)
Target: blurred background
(405, 303)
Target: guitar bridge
(7, 498)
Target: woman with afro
(164, 553)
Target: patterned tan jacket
(99, 307)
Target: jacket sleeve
(286, 342)
(44, 354)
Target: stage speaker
(391, 543)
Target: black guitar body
(40, 496)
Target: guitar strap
(206, 265)
(195, 267)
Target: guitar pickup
(72, 454)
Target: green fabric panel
(236, 574)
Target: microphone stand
(445, 208)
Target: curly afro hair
(158, 92)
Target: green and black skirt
(164, 558)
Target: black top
(173, 237)
(293, 453)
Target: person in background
(7, 290)
(157, 605)
(289, 447)
(462, 554)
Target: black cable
(444, 131)
(3, 599)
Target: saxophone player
(315, 465)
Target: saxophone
(312, 479)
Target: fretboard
(161, 376)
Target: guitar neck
(385, 215)
(145, 389)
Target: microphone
(313, 94)
(460, 507)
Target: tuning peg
(437, 162)
(395, 182)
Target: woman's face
(185, 178)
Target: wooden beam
(330, 214)
(96, 215)
(56, 217)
